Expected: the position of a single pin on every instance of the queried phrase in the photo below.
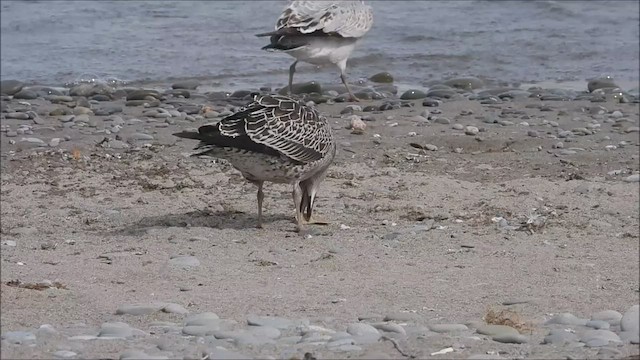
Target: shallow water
(56, 42)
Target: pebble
(485, 357)
(10, 87)
(471, 130)
(138, 310)
(186, 84)
(184, 261)
(560, 336)
(466, 83)
(567, 319)
(17, 115)
(363, 333)
(19, 337)
(457, 127)
(133, 354)
(175, 309)
(632, 129)
(26, 94)
(510, 338)
(611, 316)
(598, 324)
(600, 83)
(447, 328)
(632, 178)
(630, 336)
(64, 354)
(34, 141)
(118, 330)
(220, 353)
(201, 319)
(382, 78)
(442, 120)
(597, 338)
(496, 330)
(402, 316)
(631, 319)
(274, 321)
(413, 94)
(390, 327)
(265, 331)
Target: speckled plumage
(277, 139)
(320, 32)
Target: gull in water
(275, 138)
(320, 32)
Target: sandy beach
(467, 221)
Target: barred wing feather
(284, 125)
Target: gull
(275, 138)
(320, 32)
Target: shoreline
(219, 83)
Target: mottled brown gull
(274, 138)
(321, 32)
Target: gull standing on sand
(320, 32)
(275, 138)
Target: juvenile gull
(320, 32)
(275, 138)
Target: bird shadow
(203, 218)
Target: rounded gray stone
(446, 328)
(390, 327)
(19, 337)
(496, 330)
(631, 319)
(118, 330)
(202, 319)
(341, 342)
(471, 130)
(560, 336)
(598, 324)
(64, 354)
(567, 319)
(597, 338)
(363, 333)
(611, 316)
(201, 330)
(274, 321)
(174, 309)
(139, 309)
(510, 338)
(630, 336)
(219, 353)
(401, 316)
(133, 354)
(265, 332)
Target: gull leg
(344, 81)
(292, 69)
(297, 200)
(260, 200)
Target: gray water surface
(57, 42)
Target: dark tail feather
(189, 135)
(270, 33)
